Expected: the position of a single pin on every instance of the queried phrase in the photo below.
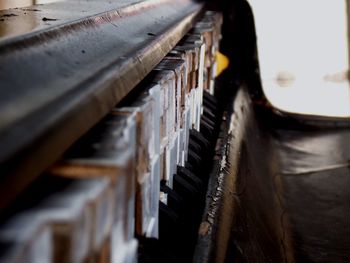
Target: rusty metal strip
(67, 70)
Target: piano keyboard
(137, 177)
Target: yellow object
(222, 63)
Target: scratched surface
(293, 192)
(316, 178)
(281, 193)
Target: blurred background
(5, 4)
(304, 55)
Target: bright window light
(304, 55)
